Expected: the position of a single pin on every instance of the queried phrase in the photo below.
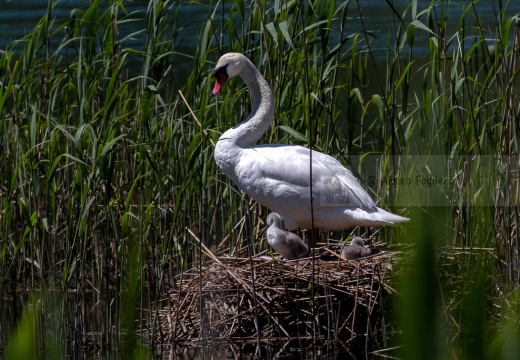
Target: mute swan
(277, 175)
(285, 243)
(355, 250)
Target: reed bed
(106, 163)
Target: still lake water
(18, 18)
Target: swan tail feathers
(389, 218)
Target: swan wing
(272, 174)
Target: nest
(266, 299)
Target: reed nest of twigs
(323, 296)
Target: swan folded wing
(270, 187)
(282, 172)
(335, 185)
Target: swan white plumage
(355, 250)
(285, 243)
(277, 175)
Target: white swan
(277, 175)
(285, 243)
(355, 250)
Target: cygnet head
(357, 241)
(229, 65)
(356, 249)
(274, 218)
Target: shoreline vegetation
(108, 178)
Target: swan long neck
(249, 131)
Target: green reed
(106, 164)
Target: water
(18, 18)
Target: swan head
(229, 65)
(274, 218)
(357, 241)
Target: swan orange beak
(221, 80)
